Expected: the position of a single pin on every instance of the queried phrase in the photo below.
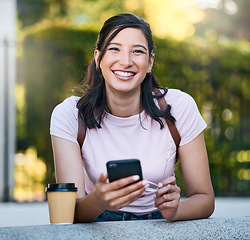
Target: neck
(123, 104)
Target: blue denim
(124, 216)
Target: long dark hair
(93, 103)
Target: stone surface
(212, 228)
(37, 213)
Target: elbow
(210, 205)
(83, 220)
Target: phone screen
(123, 168)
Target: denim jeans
(124, 216)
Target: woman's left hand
(167, 198)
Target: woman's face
(126, 61)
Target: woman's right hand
(115, 195)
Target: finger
(175, 196)
(167, 190)
(170, 180)
(121, 183)
(168, 206)
(160, 200)
(127, 190)
(127, 199)
(116, 193)
(126, 194)
(142, 186)
(102, 178)
(170, 196)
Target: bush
(216, 74)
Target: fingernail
(136, 177)
(145, 183)
(160, 184)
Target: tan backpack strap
(81, 131)
(172, 128)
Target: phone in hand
(123, 168)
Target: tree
(174, 18)
(229, 19)
(33, 11)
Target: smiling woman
(123, 118)
(124, 67)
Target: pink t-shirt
(124, 138)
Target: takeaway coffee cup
(61, 201)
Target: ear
(151, 63)
(96, 56)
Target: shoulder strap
(163, 105)
(172, 128)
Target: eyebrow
(136, 45)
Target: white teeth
(124, 74)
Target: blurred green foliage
(216, 74)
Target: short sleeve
(64, 120)
(189, 121)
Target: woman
(124, 121)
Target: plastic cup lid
(61, 187)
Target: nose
(125, 59)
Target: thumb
(103, 178)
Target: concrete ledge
(212, 228)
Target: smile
(124, 74)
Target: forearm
(195, 207)
(87, 209)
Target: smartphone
(123, 168)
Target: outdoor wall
(7, 103)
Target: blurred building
(7, 98)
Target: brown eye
(138, 51)
(114, 49)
